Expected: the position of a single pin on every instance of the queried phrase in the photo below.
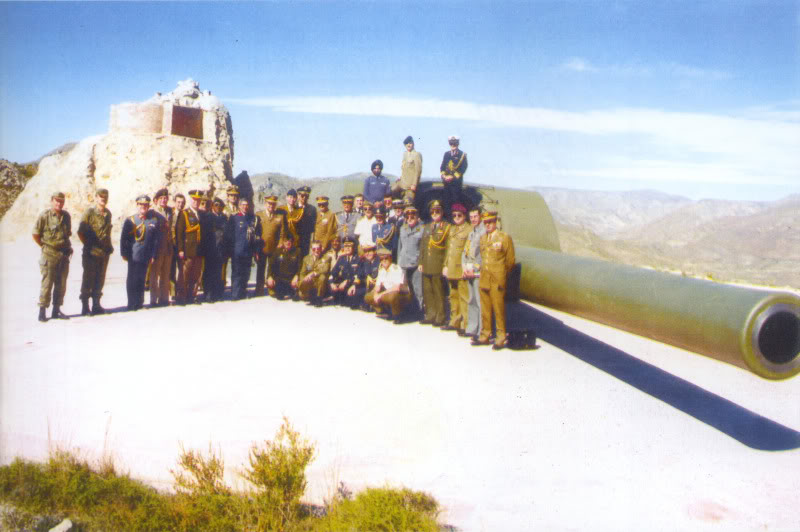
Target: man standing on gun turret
(95, 233)
(454, 165)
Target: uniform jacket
(408, 245)
(292, 219)
(214, 245)
(321, 266)
(188, 233)
(283, 265)
(472, 248)
(345, 268)
(385, 235)
(273, 228)
(325, 228)
(455, 165)
(376, 187)
(95, 232)
(230, 210)
(346, 223)
(167, 240)
(141, 237)
(410, 169)
(455, 247)
(367, 269)
(243, 235)
(54, 230)
(305, 227)
(497, 254)
(433, 247)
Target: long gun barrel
(754, 329)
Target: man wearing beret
(273, 226)
(305, 227)
(242, 239)
(51, 232)
(325, 226)
(95, 234)
(312, 278)
(376, 185)
(188, 240)
(283, 266)
(410, 171)
(390, 293)
(159, 271)
(497, 256)
(431, 261)
(453, 167)
(452, 271)
(139, 241)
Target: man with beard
(376, 186)
(95, 234)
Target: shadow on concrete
(739, 423)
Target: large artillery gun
(751, 328)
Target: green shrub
(200, 475)
(383, 509)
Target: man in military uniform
(160, 269)
(347, 218)
(283, 266)
(453, 167)
(188, 240)
(332, 255)
(242, 238)
(397, 215)
(363, 228)
(180, 203)
(273, 226)
(139, 242)
(410, 172)
(358, 204)
(384, 234)
(305, 228)
(391, 292)
(471, 266)
(364, 279)
(408, 251)
(292, 214)
(343, 271)
(311, 280)
(325, 227)
(433, 247)
(231, 209)
(376, 185)
(453, 272)
(95, 234)
(213, 235)
(497, 255)
(51, 233)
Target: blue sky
(700, 99)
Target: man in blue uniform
(213, 236)
(305, 228)
(364, 279)
(343, 271)
(377, 185)
(139, 242)
(384, 234)
(454, 165)
(242, 239)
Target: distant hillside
(13, 178)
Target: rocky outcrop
(180, 140)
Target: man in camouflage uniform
(459, 288)
(433, 247)
(273, 229)
(159, 271)
(51, 233)
(311, 280)
(95, 234)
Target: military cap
(218, 201)
(457, 207)
(304, 190)
(368, 247)
(144, 198)
(271, 199)
(383, 252)
(291, 192)
(102, 192)
(161, 192)
(359, 195)
(322, 199)
(434, 204)
(233, 190)
(58, 195)
(348, 241)
(489, 216)
(453, 139)
(380, 211)
(387, 195)
(198, 194)
(408, 139)
(397, 203)
(369, 206)
(409, 209)
(377, 162)
(346, 198)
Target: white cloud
(578, 64)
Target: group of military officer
(375, 254)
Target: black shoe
(42, 314)
(498, 347)
(58, 315)
(96, 307)
(84, 307)
(383, 315)
(478, 341)
(448, 328)
(463, 333)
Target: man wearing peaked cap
(325, 226)
(305, 227)
(232, 207)
(242, 240)
(433, 248)
(384, 233)
(273, 230)
(364, 278)
(139, 242)
(497, 256)
(376, 185)
(343, 271)
(213, 236)
(188, 239)
(160, 270)
(452, 169)
(94, 232)
(453, 272)
(51, 232)
(408, 252)
(283, 266)
(347, 218)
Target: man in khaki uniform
(433, 247)
(459, 288)
(180, 203)
(159, 270)
(51, 233)
(283, 266)
(312, 278)
(410, 171)
(497, 256)
(326, 225)
(272, 232)
(94, 231)
(231, 209)
(187, 240)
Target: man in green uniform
(273, 226)
(190, 259)
(95, 234)
(51, 233)
(283, 266)
(325, 226)
(231, 209)
(497, 256)
(159, 271)
(433, 247)
(311, 280)
(459, 288)
(410, 171)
